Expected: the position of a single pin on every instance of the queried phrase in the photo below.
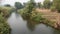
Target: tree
(24, 4)
(7, 5)
(30, 6)
(56, 3)
(18, 5)
(39, 4)
(47, 4)
(28, 9)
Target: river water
(20, 26)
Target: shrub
(53, 8)
(56, 3)
(37, 17)
(5, 11)
(4, 27)
(47, 4)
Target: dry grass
(53, 16)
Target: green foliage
(7, 5)
(32, 15)
(13, 10)
(5, 11)
(39, 5)
(30, 6)
(4, 27)
(56, 3)
(49, 22)
(53, 8)
(23, 12)
(1, 19)
(18, 5)
(24, 4)
(37, 17)
(26, 12)
(47, 4)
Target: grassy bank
(5, 11)
(37, 17)
(4, 14)
(4, 27)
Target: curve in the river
(19, 26)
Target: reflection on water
(20, 26)
(31, 25)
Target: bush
(5, 11)
(21, 11)
(53, 8)
(37, 17)
(56, 3)
(47, 4)
(4, 27)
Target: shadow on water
(20, 26)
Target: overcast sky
(11, 2)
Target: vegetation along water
(30, 17)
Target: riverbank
(4, 26)
(21, 26)
(42, 17)
(52, 16)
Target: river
(21, 26)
